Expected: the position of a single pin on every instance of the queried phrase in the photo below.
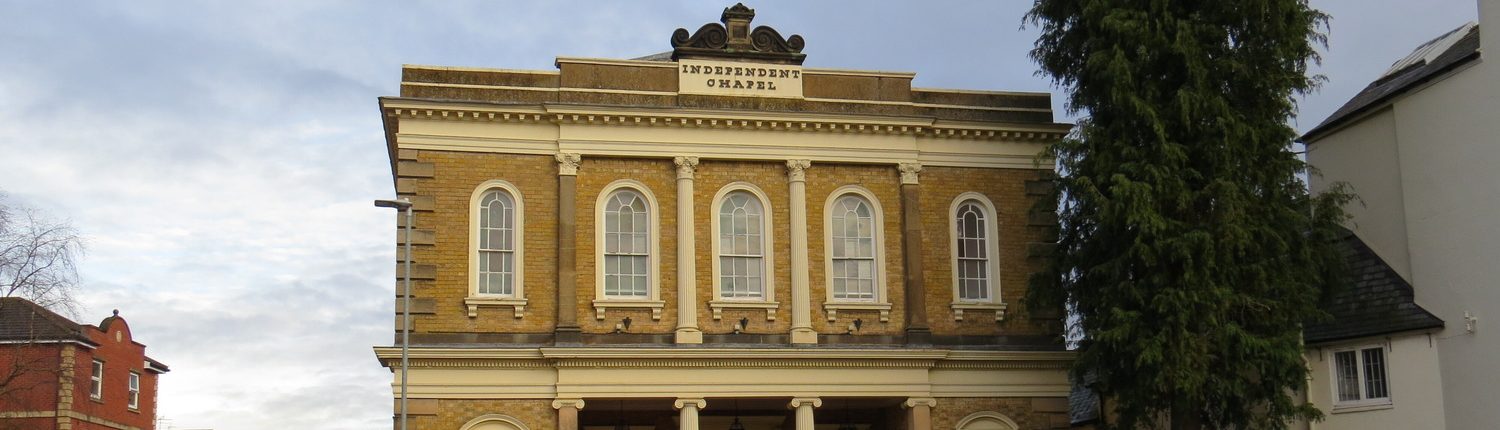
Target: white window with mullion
(1360, 377)
(742, 244)
(134, 400)
(497, 235)
(497, 262)
(96, 381)
(627, 246)
(853, 257)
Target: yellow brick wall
(771, 178)
(659, 176)
(452, 414)
(1028, 413)
(1006, 188)
(884, 182)
(456, 176)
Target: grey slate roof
(1377, 301)
(1419, 71)
(22, 320)
(1083, 402)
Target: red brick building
(58, 374)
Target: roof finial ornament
(734, 39)
(117, 312)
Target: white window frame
(881, 301)
(653, 262)
(516, 300)
(992, 244)
(96, 380)
(768, 256)
(1359, 368)
(133, 400)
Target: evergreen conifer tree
(1189, 249)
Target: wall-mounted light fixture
(741, 325)
(623, 325)
(855, 325)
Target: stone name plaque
(728, 78)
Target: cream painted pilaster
(919, 412)
(567, 413)
(804, 407)
(687, 294)
(687, 410)
(802, 331)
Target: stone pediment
(733, 39)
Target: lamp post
(403, 205)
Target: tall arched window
(974, 228)
(497, 243)
(852, 227)
(627, 245)
(742, 246)
(973, 252)
(497, 248)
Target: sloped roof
(22, 320)
(1083, 402)
(1429, 61)
(1378, 301)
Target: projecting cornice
(728, 120)
(675, 358)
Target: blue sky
(221, 156)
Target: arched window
(497, 248)
(973, 245)
(974, 228)
(497, 244)
(852, 227)
(627, 245)
(742, 247)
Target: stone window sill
(600, 305)
(475, 302)
(1356, 407)
(833, 308)
(718, 307)
(960, 307)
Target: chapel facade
(718, 237)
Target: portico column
(917, 331)
(804, 407)
(802, 331)
(687, 293)
(567, 413)
(919, 413)
(567, 330)
(687, 415)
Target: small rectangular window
(96, 381)
(1360, 377)
(134, 400)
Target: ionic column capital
(796, 170)
(798, 402)
(567, 163)
(913, 402)
(909, 172)
(686, 166)
(696, 403)
(567, 403)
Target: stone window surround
(992, 242)
(517, 300)
(881, 303)
(653, 278)
(768, 300)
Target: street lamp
(403, 205)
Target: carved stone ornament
(796, 170)
(909, 172)
(567, 163)
(686, 166)
(734, 39)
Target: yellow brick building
(720, 238)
